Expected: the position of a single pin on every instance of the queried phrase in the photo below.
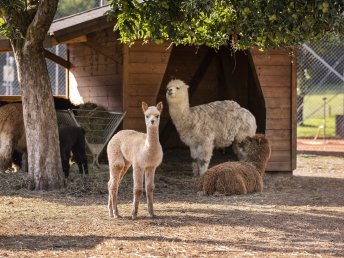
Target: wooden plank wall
(144, 67)
(274, 72)
(98, 77)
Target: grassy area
(313, 114)
(334, 106)
(311, 127)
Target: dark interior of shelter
(213, 75)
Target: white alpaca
(143, 152)
(204, 127)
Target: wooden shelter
(119, 78)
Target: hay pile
(77, 185)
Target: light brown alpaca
(12, 135)
(241, 177)
(143, 152)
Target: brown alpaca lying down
(240, 177)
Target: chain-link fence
(9, 84)
(8, 75)
(320, 80)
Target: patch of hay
(13, 181)
(77, 185)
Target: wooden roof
(72, 28)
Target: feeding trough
(99, 124)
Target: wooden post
(125, 87)
(293, 108)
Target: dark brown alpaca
(240, 177)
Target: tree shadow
(41, 242)
(300, 231)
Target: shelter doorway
(213, 75)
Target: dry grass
(300, 215)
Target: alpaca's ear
(159, 106)
(144, 106)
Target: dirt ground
(299, 215)
(333, 147)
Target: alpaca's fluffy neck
(152, 140)
(178, 109)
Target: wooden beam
(104, 50)
(193, 85)
(13, 98)
(64, 63)
(79, 39)
(5, 45)
(49, 41)
(125, 76)
(293, 108)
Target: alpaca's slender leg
(205, 153)
(149, 181)
(195, 168)
(194, 156)
(112, 202)
(201, 155)
(117, 170)
(203, 165)
(138, 174)
(65, 156)
(6, 150)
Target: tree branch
(40, 24)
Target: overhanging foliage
(244, 24)
(15, 15)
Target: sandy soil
(299, 215)
(321, 146)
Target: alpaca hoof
(152, 216)
(133, 217)
(114, 215)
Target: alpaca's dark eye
(178, 88)
(157, 116)
(147, 116)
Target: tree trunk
(45, 169)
